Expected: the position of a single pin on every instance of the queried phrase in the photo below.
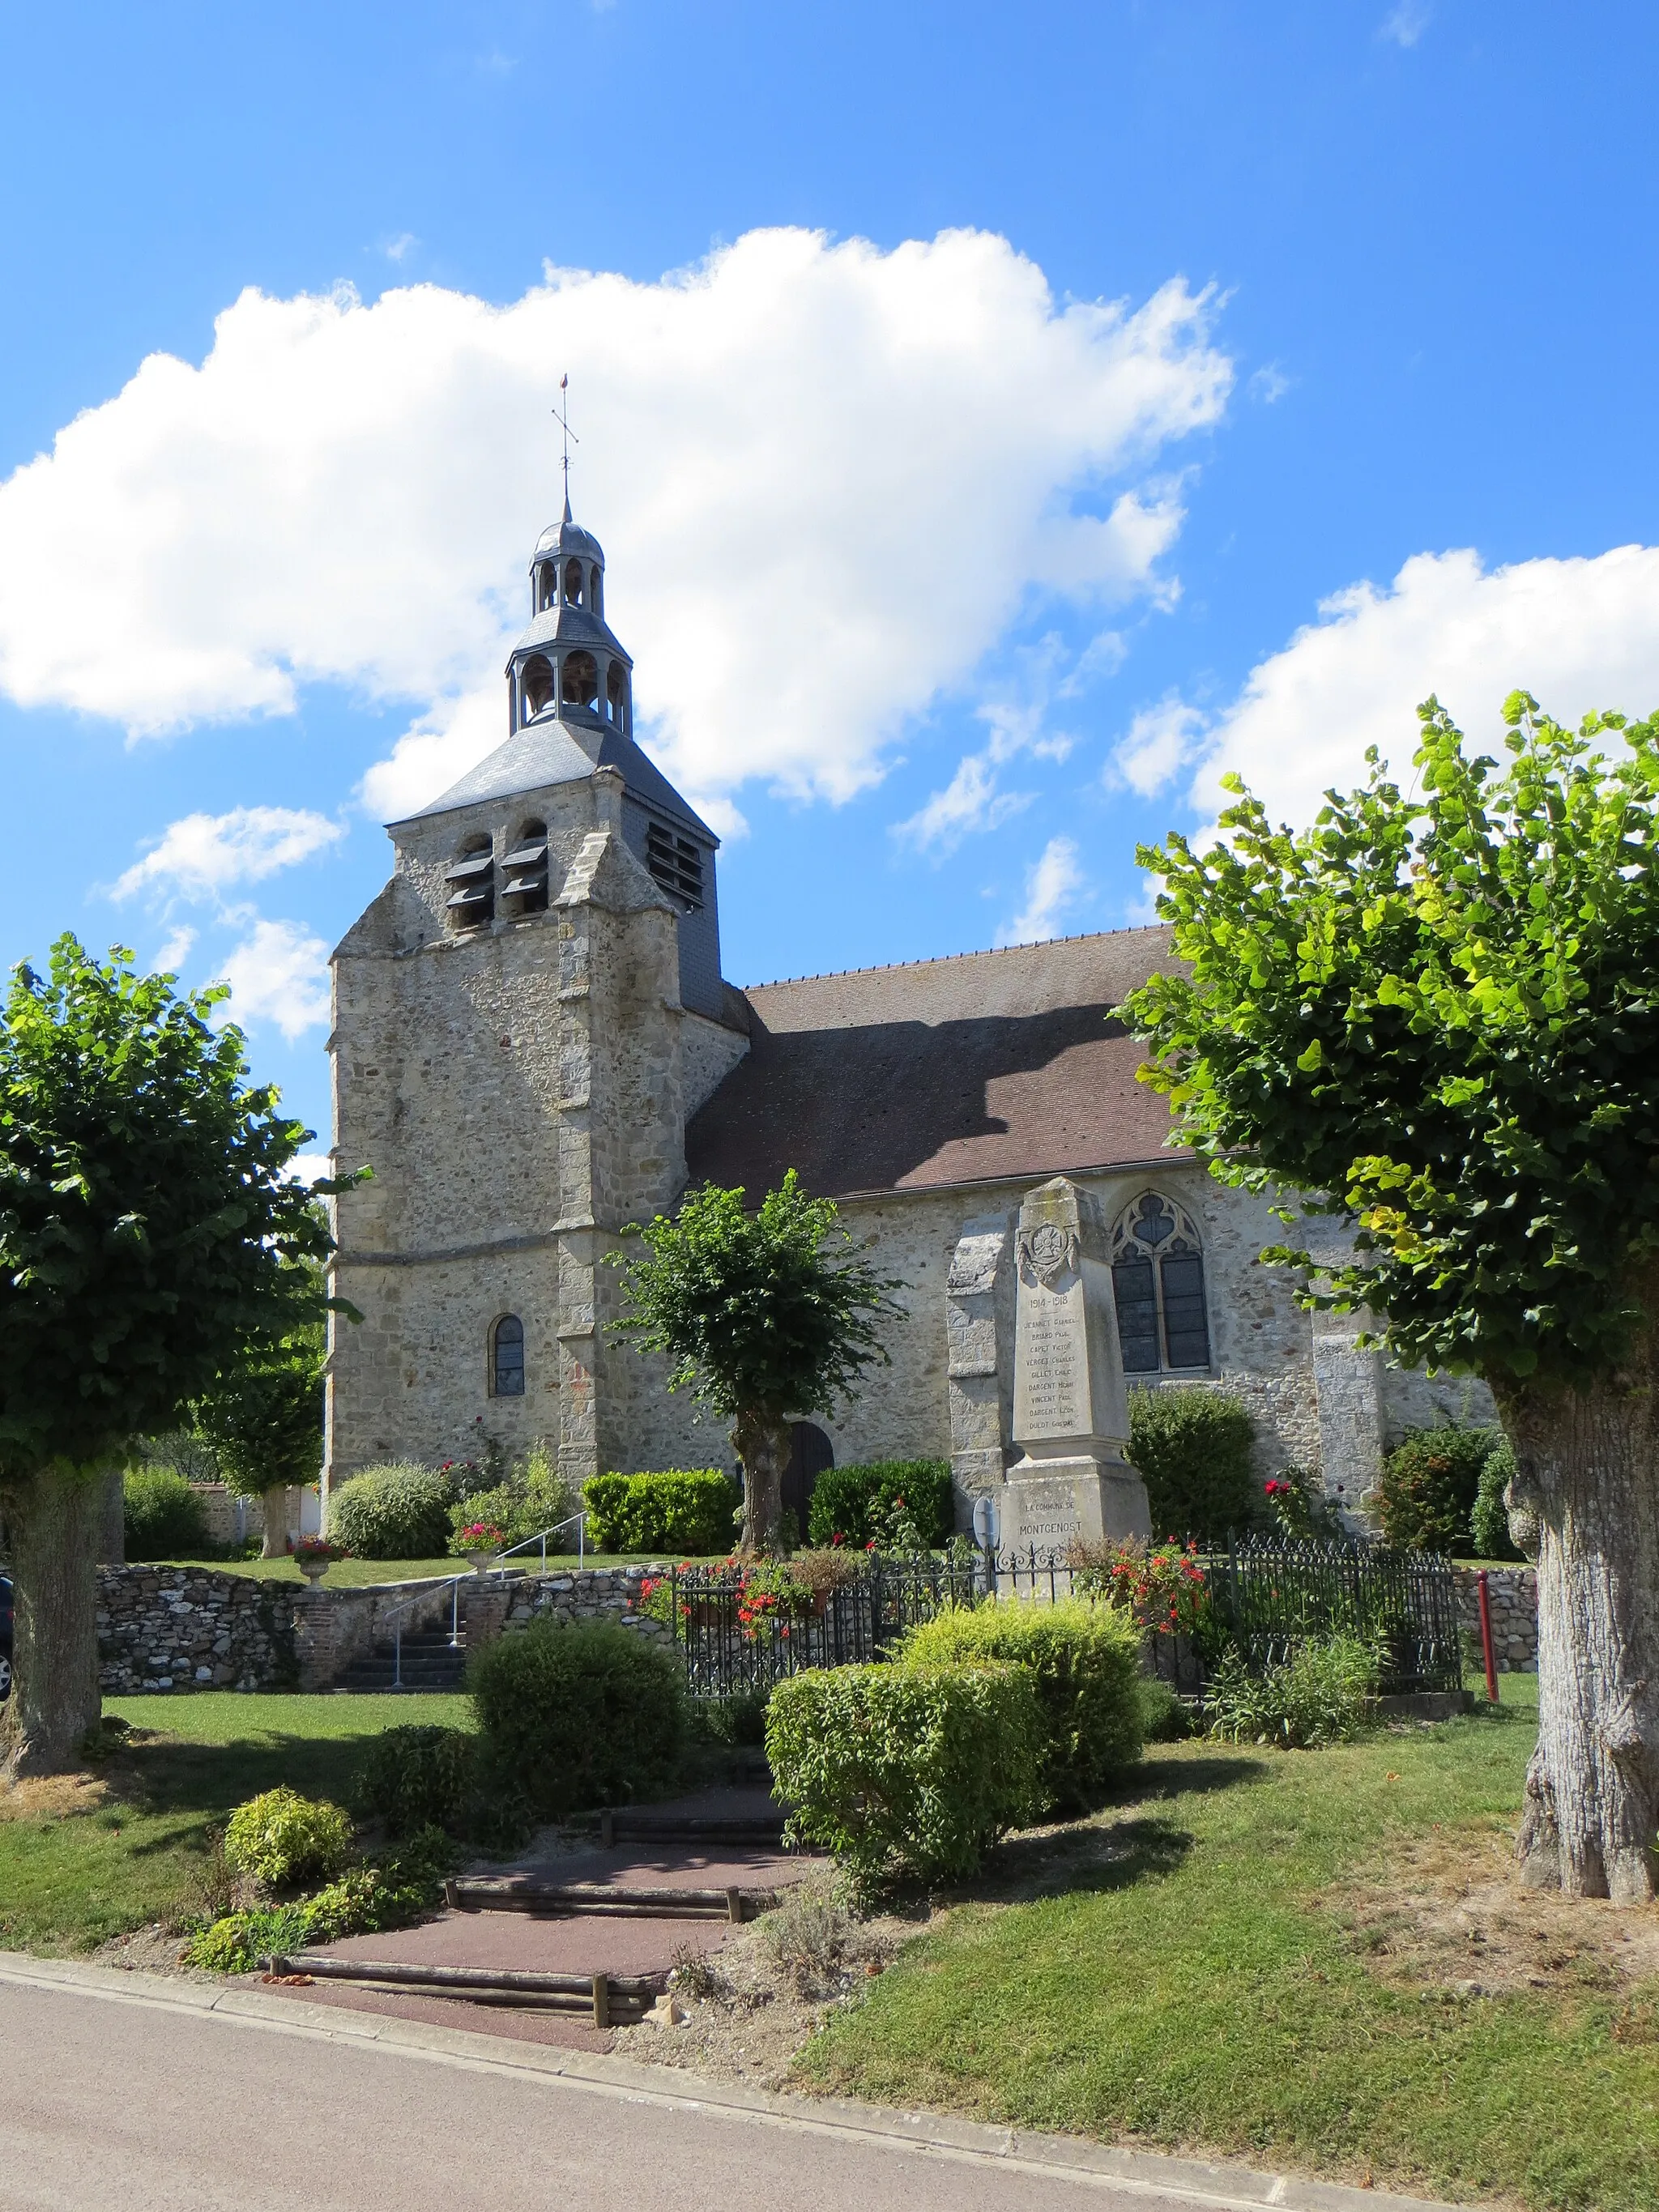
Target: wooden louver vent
(675, 863)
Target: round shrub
(587, 1714)
(1085, 1661)
(285, 1838)
(395, 1512)
(1425, 1498)
(164, 1517)
(906, 1770)
(684, 1511)
(855, 1505)
(419, 1777)
(1192, 1449)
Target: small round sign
(986, 1522)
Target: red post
(1486, 1636)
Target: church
(533, 1045)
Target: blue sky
(1044, 410)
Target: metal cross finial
(562, 416)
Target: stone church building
(533, 1045)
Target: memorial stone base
(1049, 1504)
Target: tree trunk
(55, 1521)
(113, 1539)
(1585, 1500)
(761, 1441)
(275, 1502)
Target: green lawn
(78, 1865)
(350, 1574)
(1190, 1991)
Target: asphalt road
(112, 2104)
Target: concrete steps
(430, 1662)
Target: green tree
(146, 1229)
(1434, 1018)
(759, 1319)
(264, 1416)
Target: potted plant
(479, 1542)
(315, 1555)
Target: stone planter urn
(313, 1569)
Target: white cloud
(308, 1167)
(974, 801)
(174, 951)
(279, 974)
(1051, 888)
(1406, 23)
(1159, 742)
(399, 248)
(1578, 633)
(1269, 384)
(828, 479)
(969, 802)
(203, 855)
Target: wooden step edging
(639, 1827)
(608, 2000)
(487, 1893)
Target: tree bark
(55, 1521)
(1585, 1503)
(762, 1441)
(275, 1502)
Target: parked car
(5, 1638)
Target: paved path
(127, 2091)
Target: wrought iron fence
(1265, 1598)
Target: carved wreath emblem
(1049, 1250)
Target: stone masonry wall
(586, 1594)
(1512, 1598)
(184, 1628)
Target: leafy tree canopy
(755, 1311)
(264, 1416)
(1435, 1015)
(147, 1231)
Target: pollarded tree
(146, 1233)
(264, 1416)
(1438, 1018)
(758, 1319)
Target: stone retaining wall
(189, 1628)
(1512, 1597)
(583, 1594)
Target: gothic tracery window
(1157, 1280)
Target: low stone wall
(331, 1627)
(584, 1594)
(1512, 1598)
(189, 1628)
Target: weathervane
(562, 416)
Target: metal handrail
(577, 1521)
(414, 1598)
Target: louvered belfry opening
(524, 870)
(472, 881)
(675, 864)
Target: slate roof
(549, 751)
(988, 1066)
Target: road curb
(1218, 2184)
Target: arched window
(582, 680)
(1157, 1278)
(506, 1357)
(599, 593)
(471, 880)
(547, 579)
(613, 692)
(538, 681)
(573, 583)
(525, 870)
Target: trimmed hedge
(1192, 1447)
(1085, 1663)
(587, 1715)
(419, 1777)
(164, 1518)
(906, 1770)
(1426, 1493)
(395, 1512)
(858, 1504)
(690, 1511)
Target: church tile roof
(987, 1065)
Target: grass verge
(84, 1859)
(1175, 1974)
